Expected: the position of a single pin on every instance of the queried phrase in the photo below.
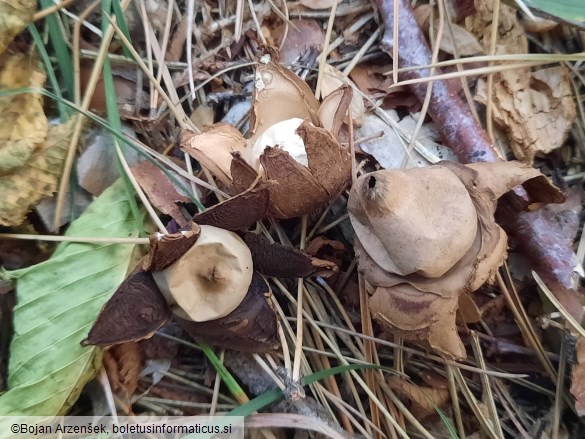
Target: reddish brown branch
(465, 136)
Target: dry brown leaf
(213, 149)
(23, 130)
(426, 236)
(535, 109)
(279, 95)
(422, 15)
(23, 188)
(578, 377)
(317, 4)
(202, 116)
(124, 85)
(511, 37)
(333, 111)
(302, 35)
(371, 79)
(123, 364)
(14, 16)
(464, 41)
(332, 80)
(160, 190)
(423, 401)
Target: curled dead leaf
(15, 15)
(24, 126)
(426, 236)
(461, 40)
(333, 111)
(333, 80)
(536, 109)
(123, 364)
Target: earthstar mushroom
(211, 279)
(425, 236)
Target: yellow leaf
(24, 126)
(24, 188)
(14, 16)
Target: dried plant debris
(425, 236)
(161, 191)
(214, 148)
(461, 40)
(123, 364)
(535, 109)
(300, 36)
(578, 377)
(14, 17)
(423, 401)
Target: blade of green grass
(225, 375)
(445, 420)
(114, 118)
(49, 69)
(61, 49)
(271, 396)
(121, 20)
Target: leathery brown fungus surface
(424, 236)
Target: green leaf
(58, 302)
(569, 10)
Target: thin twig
(80, 239)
